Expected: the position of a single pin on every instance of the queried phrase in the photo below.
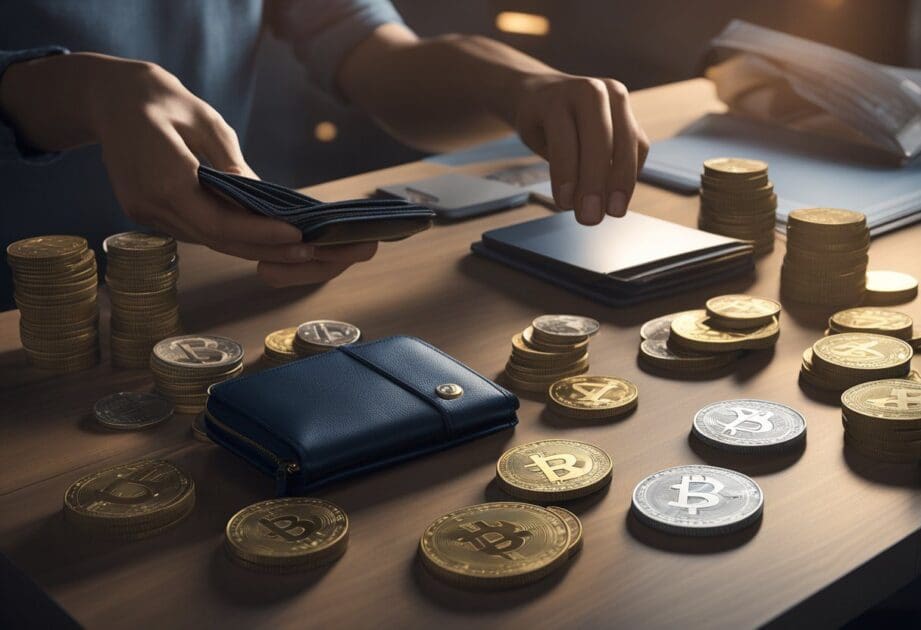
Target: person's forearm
(435, 92)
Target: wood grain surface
(839, 532)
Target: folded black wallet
(353, 410)
(334, 223)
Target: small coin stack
(826, 259)
(552, 471)
(279, 347)
(185, 366)
(551, 348)
(130, 501)
(882, 419)
(321, 335)
(593, 397)
(499, 545)
(748, 426)
(890, 287)
(838, 362)
(55, 280)
(738, 200)
(697, 500)
(287, 535)
(127, 411)
(703, 343)
(142, 271)
(879, 321)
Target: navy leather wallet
(333, 223)
(353, 410)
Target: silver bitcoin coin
(328, 333)
(698, 500)
(199, 351)
(748, 425)
(566, 326)
(132, 410)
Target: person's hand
(585, 128)
(153, 131)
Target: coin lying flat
(287, 534)
(564, 328)
(730, 166)
(893, 402)
(132, 410)
(698, 500)
(748, 425)
(890, 287)
(658, 354)
(873, 355)
(40, 248)
(692, 331)
(195, 352)
(593, 396)
(320, 335)
(495, 545)
(573, 524)
(738, 311)
(660, 327)
(881, 321)
(553, 470)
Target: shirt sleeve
(323, 32)
(12, 147)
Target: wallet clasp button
(449, 391)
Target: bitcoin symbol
(137, 486)
(707, 499)
(749, 420)
(855, 350)
(549, 465)
(593, 392)
(199, 350)
(291, 528)
(899, 400)
(499, 539)
(740, 306)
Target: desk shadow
(884, 473)
(752, 464)
(580, 506)
(751, 363)
(248, 587)
(708, 375)
(557, 421)
(823, 396)
(807, 315)
(693, 545)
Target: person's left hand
(585, 128)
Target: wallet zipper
(283, 467)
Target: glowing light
(325, 131)
(522, 23)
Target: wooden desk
(838, 534)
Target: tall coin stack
(826, 259)
(55, 279)
(840, 361)
(184, 367)
(141, 275)
(738, 200)
(551, 348)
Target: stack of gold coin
(890, 287)
(287, 535)
(552, 471)
(826, 259)
(697, 331)
(130, 501)
(841, 361)
(656, 355)
(499, 545)
(880, 321)
(593, 397)
(185, 366)
(551, 348)
(55, 280)
(279, 346)
(142, 270)
(321, 335)
(738, 200)
(882, 419)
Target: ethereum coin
(553, 470)
(748, 425)
(132, 410)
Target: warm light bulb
(522, 23)
(325, 131)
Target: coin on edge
(573, 524)
(749, 425)
(553, 470)
(132, 410)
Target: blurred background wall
(299, 136)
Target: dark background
(641, 43)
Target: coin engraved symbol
(740, 306)
(759, 421)
(499, 539)
(200, 350)
(135, 487)
(549, 465)
(595, 391)
(289, 527)
(857, 350)
(899, 399)
(708, 499)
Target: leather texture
(333, 223)
(353, 410)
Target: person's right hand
(153, 131)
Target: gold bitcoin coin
(573, 524)
(495, 545)
(553, 470)
(731, 167)
(890, 287)
(872, 320)
(692, 331)
(810, 218)
(140, 244)
(279, 345)
(46, 248)
(660, 327)
(739, 311)
(872, 355)
(593, 396)
(290, 533)
(895, 400)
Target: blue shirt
(210, 45)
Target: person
(107, 107)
